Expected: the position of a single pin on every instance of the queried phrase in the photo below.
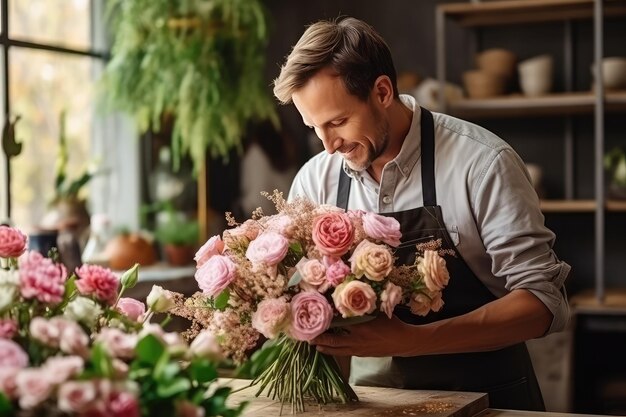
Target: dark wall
(409, 29)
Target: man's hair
(349, 47)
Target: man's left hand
(379, 337)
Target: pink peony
(97, 281)
(354, 298)
(77, 396)
(390, 298)
(33, 387)
(372, 260)
(7, 381)
(62, 368)
(41, 278)
(216, 274)
(311, 315)
(271, 317)
(123, 404)
(131, 308)
(12, 355)
(12, 242)
(269, 248)
(313, 274)
(433, 268)
(337, 272)
(333, 233)
(383, 228)
(212, 247)
(8, 328)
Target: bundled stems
(300, 373)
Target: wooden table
(382, 402)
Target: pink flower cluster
(41, 278)
(97, 281)
(12, 242)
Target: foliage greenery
(201, 61)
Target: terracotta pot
(179, 255)
(124, 250)
(497, 61)
(482, 84)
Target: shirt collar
(410, 152)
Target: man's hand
(379, 337)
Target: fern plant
(201, 61)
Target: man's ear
(383, 91)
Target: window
(52, 55)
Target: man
(442, 178)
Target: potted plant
(200, 62)
(178, 237)
(615, 163)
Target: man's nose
(329, 140)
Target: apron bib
(507, 374)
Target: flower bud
(159, 300)
(205, 345)
(130, 277)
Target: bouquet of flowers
(291, 276)
(72, 346)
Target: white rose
(9, 277)
(159, 300)
(83, 309)
(7, 296)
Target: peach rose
(420, 304)
(390, 298)
(271, 317)
(333, 233)
(354, 298)
(433, 268)
(313, 274)
(372, 260)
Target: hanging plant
(200, 61)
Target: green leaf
(150, 349)
(6, 408)
(101, 361)
(203, 371)
(173, 388)
(259, 361)
(295, 279)
(221, 301)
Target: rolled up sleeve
(513, 231)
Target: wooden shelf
(517, 105)
(580, 206)
(508, 12)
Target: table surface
(373, 401)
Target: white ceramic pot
(613, 72)
(535, 75)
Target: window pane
(4, 203)
(59, 22)
(41, 85)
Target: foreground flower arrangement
(290, 277)
(70, 345)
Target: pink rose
(123, 404)
(117, 343)
(12, 242)
(311, 315)
(77, 396)
(337, 272)
(313, 274)
(269, 248)
(242, 234)
(7, 381)
(372, 260)
(333, 233)
(271, 317)
(41, 278)
(383, 228)
(8, 328)
(62, 368)
(354, 298)
(33, 387)
(131, 308)
(390, 298)
(216, 274)
(97, 281)
(433, 268)
(213, 246)
(74, 340)
(12, 355)
(420, 304)
(205, 345)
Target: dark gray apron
(507, 374)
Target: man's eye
(336, 123)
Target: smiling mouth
(348, 151)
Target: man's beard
(373, 153)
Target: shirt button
(387, 199)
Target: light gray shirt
(489, 205)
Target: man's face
(358, 130)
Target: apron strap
(429, 194)
(343, 190)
